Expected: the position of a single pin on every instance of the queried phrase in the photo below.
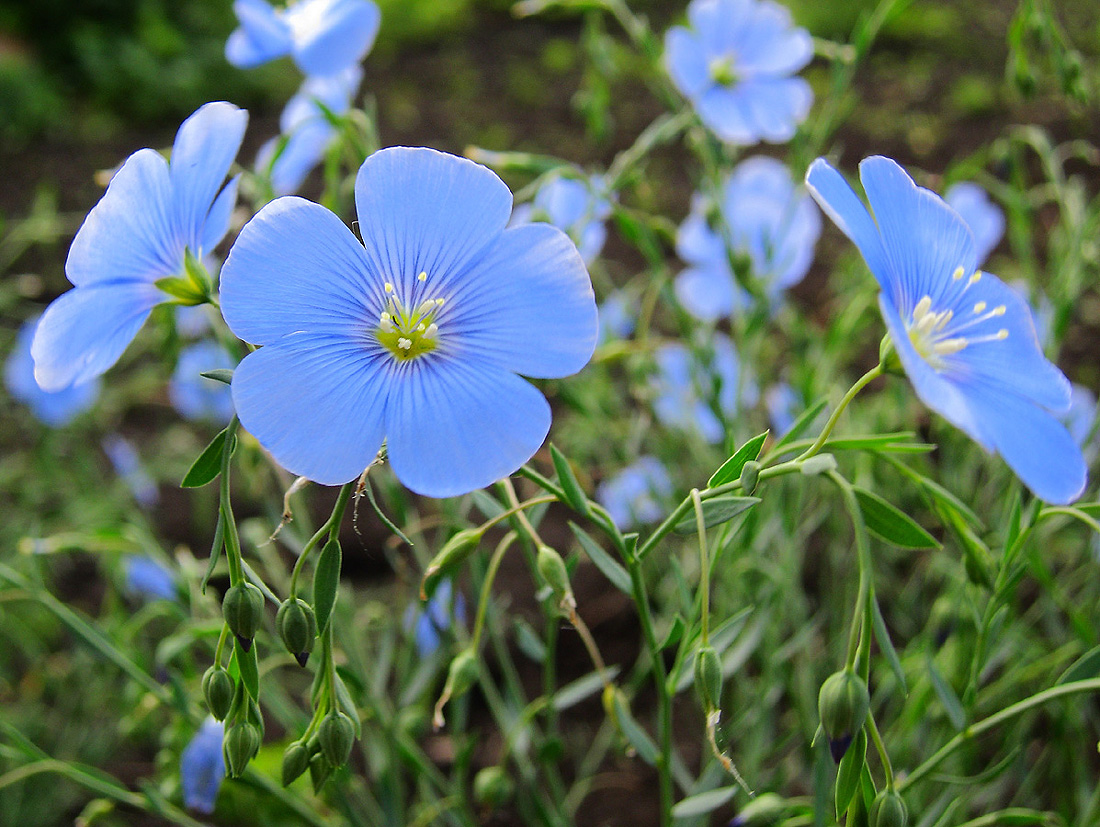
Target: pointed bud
(888, 810)
(242, 607)
(242, 742)
(750, 476)
(336, 736)
(708, 678)
(842, 703)
(297, 627)
(552, 570)
(218, 689)
(453, 553)
(493, 787)
(319, 771)
(295, 762)
(461, 676)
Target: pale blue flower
(634, 496)
(127, 464)
(445, 608)
(769, 221)
(984, 218)
(152, 212)
(783, 406)
(965, 339)
(579, 206)
(735, 62)
(53, 408)
(147, 577)
(617, 316)
(307, 132)
(1080, 420)
(415, 338)
(202, 767)
(691, 391)
(322, 36)
(195, 396)
(192, 320)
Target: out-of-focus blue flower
(617, 316)
(579, 206)
(783, 406)
(124, 457)
(689, 390)
(984, 218)
(202, 767)
(192, 320)
(54, 408)
(1042, 311)
(1080, 420)
(322, 36)
(634, 495)
(152, 212)
(195, 396)
(428, 623)
(306, 128)
(769, 220)
(965, 339)
(734, 62)
(417, 338)
(147, 577)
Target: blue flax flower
(322, 36)
(53, 408)
(429, 622)
(307, 131)
(202, 767)
(770, 222)
(127, 464)
(965, 339)
(982, 216)
(617, 314)
(634, 495)
(152, 212)
(195, 396)
(147, 577)
(414, 336)
(783, 405)
(578, 206)
(734, 63)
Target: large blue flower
(769, 221)
(415, 336)
(323, 36)
(965, 339)
(735, 63)
(54, 408)
(202, 767)
(151, 213)
(577, 205)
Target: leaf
(951, 703)
(638, 737)
(675, 633)
(209, 464)
(219, 375)
(326, 581)
(607, 565)
(1085, 667)
(571, 489)
(716, 510)
(891, 442)
(703, 803)
(804, 421)
(576, 691)
(248, 668)
(888, 523)
(849, 771)
(215, 550)
(528, 642)
(730, 470)
(882, 635)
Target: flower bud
(319, 771)
(461, 675)
(750, 475)
(242, 742)
(295, 762)
(493, 787)
(242, 607)
(297, 627)
(453, 553)
(336, 735)
(552, 570)
(888, 810)
(218, 689)
(842, 703)
(708, 678)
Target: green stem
(887, 767)
(859, 385)
(487, 587)
(863, 555)
(232, 539)
(704, 569)
(331, 527)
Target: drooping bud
(297, 627)
(336, 735)
(888, 810)
(319, 771)
(461, 676)
(218, 689)
(552, 570)
(842, 703)
(242, 742)
(493, 787)
(750, 475)
(295, 762)
(453, 553)
(242, 608)
(708, 678)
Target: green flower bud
(297, 627)
(493, 787)
(295, 762)
(218, 689)
(842, 703)
(763, 811)
(242, 742)
(336, 736)
(453, 553)
(242, 607)
(888, 810)
(708, 678)
(552, 570)
(319, 771)
(461, 675)
(750, 476)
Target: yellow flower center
(408, 332)
(935, 334)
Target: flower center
(722, 72)
(936, 334)
(408, 332)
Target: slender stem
(704, 569)
(887, 767)
(222, 638)
(487, 587)
(331, 527)
(863, 555)
(232, 539)
(860, 383)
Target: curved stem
(331, 527)
(487, 587)
(704, 569)
(859, 385)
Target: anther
(423, 276)
(388, 287)
(979, 307)
(958, 274)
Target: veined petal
(708, 293)
(130, 234)
(686, 62)
(205, 147)
(526, 305)
(984, 218)
(296, 267)
(415, 215)
(331, 35)
(263, 35)
(84, 332)
(303, 150)
(217, 220)
(316, 403)
(454, 426)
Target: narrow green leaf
(638, 737)
(716, 511)
(585, 687)
(730, 470)
(326, 581)
(888, 523)
(607, 565)
(215, 550)
(804, 421)
(849, 771)
(347, 704)
(206, 468)
(574, 495)
(875, 442)
(703, 803)
(882, 635)
(528, 642)
(1085, 667)
(248, 668)
(951, 703)
(219, 375)
(675, 633)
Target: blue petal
(696, 242)
(205, 147)
(330, 35)
(262, 36)
(767, 43)
(526, 305)
(131, 233)
(84, 332)
(686, 62)
(718, 23)
(217, 220)
(54, 409)
(192, 394)
(457, 425)
(303, 150)
(708, 294)
(982, 216)
(315, 403)
(774, 107)
(425, 211)
(296, 267)
(202, 768)
(724, 113)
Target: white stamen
(404, 343)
